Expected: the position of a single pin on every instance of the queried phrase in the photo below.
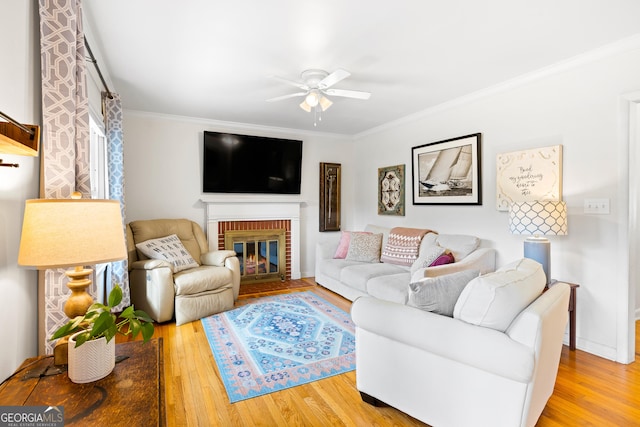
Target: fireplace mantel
(239, 208)
(251, 199)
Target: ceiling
(213, 59)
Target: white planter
(91, 361)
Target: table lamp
(539, 218)
(59, 233)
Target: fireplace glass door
(261, 253)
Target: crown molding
(621, 46)
(238, 126)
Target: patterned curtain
(115, 144)
(65, 135)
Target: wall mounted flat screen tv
(251, 164)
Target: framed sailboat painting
(447, 172)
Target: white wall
(163, 171)
(20, 99)
(578, 108)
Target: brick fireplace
(256, 213)
(271, 235)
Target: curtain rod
(95, 64)
(9, 165)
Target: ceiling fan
(315, 84)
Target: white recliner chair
(210, 287)
(494, 363)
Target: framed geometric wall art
(528, 175)
(391, 190)
(447, 172)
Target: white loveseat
(494, 363)
(386, 281)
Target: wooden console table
(131, 395)
(572, 312)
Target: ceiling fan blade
(333, 78)
(348, 93)
(291, 82)
(291, 95)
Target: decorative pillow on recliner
(439, 294)
(495, 299)
(169, 249)
(365, 247)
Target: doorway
(628, 304)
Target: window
(98, 160)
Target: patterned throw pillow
(343, 245)
(169, 249)
(403, 245)
(365, 247)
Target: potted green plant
(91, 344)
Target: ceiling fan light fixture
(306, 107)
(312, 98)
(315, 85)
(325, 103)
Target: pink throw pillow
(446, 258)
(343, 245)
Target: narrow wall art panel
(391, 190)
(330, 196)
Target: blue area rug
(273, 343)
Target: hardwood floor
(590, 391)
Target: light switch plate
(596, 206)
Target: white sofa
(494, 363)
(386, 281)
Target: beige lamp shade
(71, 232)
